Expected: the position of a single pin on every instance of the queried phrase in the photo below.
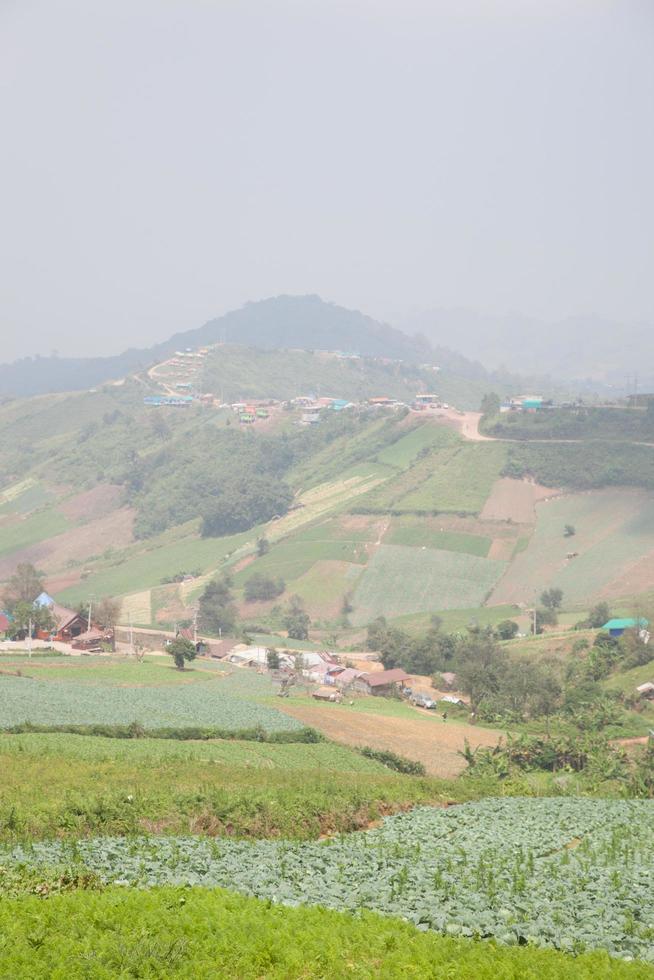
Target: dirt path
(425, 739)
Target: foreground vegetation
(71, 785)
(567, 873)
(198, 933)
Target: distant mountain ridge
(306, 322)
(602, 352)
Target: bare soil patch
(79, 543)
(243, 563)
(515, 500)
(92, 504)
(426, 739)
(501, 549)
(57, 583)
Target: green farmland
(461, 480)
(221, 702)
(516, 870)
(401, 580)
(196, 932)
(416, 533)
(420, 439)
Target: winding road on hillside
(468, 425)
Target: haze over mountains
(587, 352)
(577, 348)
(305, 322)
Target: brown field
(424, 739)
(515, 500)
(501, 549)
(79, 543)
(92, 504)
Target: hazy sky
(163, 161)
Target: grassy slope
(74, 785)
(197, 933)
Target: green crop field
(151, 672)
(33, 496)
(198, 933)
(461, 479)
(417, 533)
(402, 580)
(427, 436)
(295, 555)
(572, 874)
(614, 531)
(227, 702)
(144, 565)
(28, 530)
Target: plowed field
(426, 739)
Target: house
(617, 627)
(646, 690)
(91, 640)
(381, 401)
(427, 401)
(381, 682)
(243, 656)
(69, 624)
(343, 677)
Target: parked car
(422, 701)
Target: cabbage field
(226, 703)
(573, 874)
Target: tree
(240, 503)
(272, 659)
(480, 669)
(296, 619)
(490, 404)
(506, 630)
(24, 585)
(569, 531)
(598, 615)
(263, 546)
(106, 614)
(552, 599)
(25, 613)
(216, 610)
(182, 651)
(545, 617)
(376, 633)
(260, 588)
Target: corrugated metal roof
(625, 624)
(382, 677)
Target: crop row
(570, 873)
(212, 704)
